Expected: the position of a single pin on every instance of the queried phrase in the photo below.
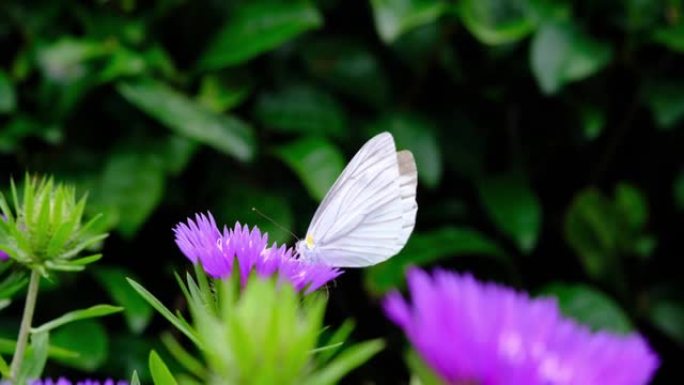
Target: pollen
(309, 241)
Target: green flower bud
(43, 229)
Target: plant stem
(25, 328)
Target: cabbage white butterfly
(368, 214)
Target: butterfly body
(369, 212)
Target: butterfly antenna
(278, 225)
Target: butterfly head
(305, 247)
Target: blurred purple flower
(202, 242)
(486, 334)
(64, 381)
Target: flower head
(473, 332)
(217, 252)
(43, 228)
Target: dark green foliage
(548, 137)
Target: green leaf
(176, 152)
(63, 61)
(335, 342)
(396, 17)
(350, 67)
(222, 93)
(671, 37)
(188, 118)
(163, 310)
(668, 316)
(513, 207)
(132, 185)
(301, 109)
(590, 306)
(678, 191)
(632, 205)
(160, 372)
(316, 162)
(593, 121)
(414, 133)
(591, 229)
(76, 315)
(429, 247)
(496, 21)
(256, 27)
(561, 53)
(134, 378)
(665, 98)
(88, 338)
(182, 356)
(34, 362)
(137, 311)
(421, 370)
(4, 368)
(8, 99)
(8, 346)
(348, 360)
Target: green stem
(25, 328)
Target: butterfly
(369, 213)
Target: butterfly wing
(369, 212)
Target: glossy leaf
(350, 67)
(601, 230)
(316, 162)
(593, 121)
(590, 307)
(632, 205)
(427, 248)
(303, 110)
(137, 311)
(671, 37)
(188, 118)
(668, 316)
(257, 27)
(678, 191)
(513, 207)
(561, 53)
(665, 98)
(88, 338)
(393, 18)
(497, 21)
(222, 93)
(8, 99)
(591, 230)
(131, 187)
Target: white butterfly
(369, 213)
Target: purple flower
(64, 381)
(486, 334)
(202, 242)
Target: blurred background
(548, 137)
